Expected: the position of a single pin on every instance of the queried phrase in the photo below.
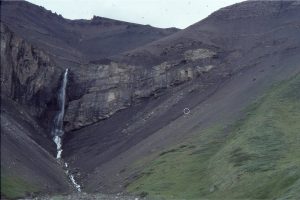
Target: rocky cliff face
(102, 90)
(95, 91)
(27, 74)
(98, 90)
(49, 44)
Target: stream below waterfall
(58, 130)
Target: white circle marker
(186, 111)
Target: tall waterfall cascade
(58, 130)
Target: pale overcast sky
(158, 13)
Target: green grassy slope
(256, 158)
(14, 187)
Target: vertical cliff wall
(27, 74)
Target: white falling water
(77, 186)
(58, 130)
(57, 140)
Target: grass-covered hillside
(258, 157)
(14, 187)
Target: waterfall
(58, 130)
(71, 177)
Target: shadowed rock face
(27, 74)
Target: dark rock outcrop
(27, 74)
(102, 90)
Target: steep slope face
(236, 64)
(109, 157)
(28, 76)
(26, 166)
(254, 158)
(237, 30)
(75, 41)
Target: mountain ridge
(76, 40)
(126, 110)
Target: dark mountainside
(128, 84)
(72, 42)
